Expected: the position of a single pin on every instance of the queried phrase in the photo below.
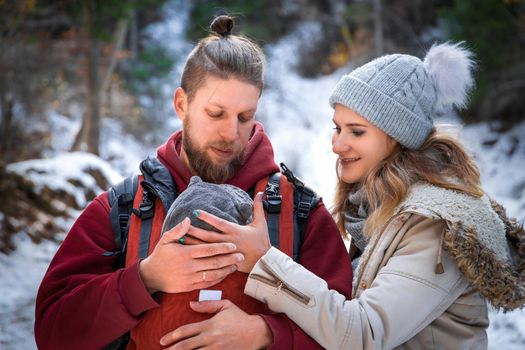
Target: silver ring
(204, 275)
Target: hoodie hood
(258, 163)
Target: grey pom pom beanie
(400, 93)
(225, 201)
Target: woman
(431, 248)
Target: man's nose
(229, 129)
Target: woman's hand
(251, 240)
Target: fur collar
(488, 247)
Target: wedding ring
(204, 275)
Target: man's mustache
(223, 145)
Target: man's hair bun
(222, 25)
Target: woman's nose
(338, 144)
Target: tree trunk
(118, 43)
(378, 28)
(89, 132)
(6, 128)
(81, 135)
(133, 36)
(337, 17)
(93, 99)
(90, 128)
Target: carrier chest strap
(273, 210)
(305, 199)
(280, 213)
(146, 211)
(145, 223)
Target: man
(84, 303)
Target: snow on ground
(58, 172)
(20, 275)
(297, 116)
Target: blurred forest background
(74, 73)
(90, 55)
(91, 60)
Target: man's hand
(252, 240)
(176, 268)
(230, 328)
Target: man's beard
(203, 166)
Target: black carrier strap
(305, 199)
(157, 183)
(274, 199)
(120, 198)
(145, 212)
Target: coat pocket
(279, 285)
(470, 308)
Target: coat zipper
(279, 284)
(363, 268)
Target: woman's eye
(358, 132)
(337, 130)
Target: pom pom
(450, 67)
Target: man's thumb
(209, 306)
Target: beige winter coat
(408, 291)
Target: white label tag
(205, 294)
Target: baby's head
(224, 201)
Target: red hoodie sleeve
(83, 303)
(323, 253)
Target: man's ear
(180, 102)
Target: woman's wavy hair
(441, 161)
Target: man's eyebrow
(216, 104)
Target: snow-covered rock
(42, 196)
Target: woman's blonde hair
(441, 161)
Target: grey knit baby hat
(225, 201)
(400, 94)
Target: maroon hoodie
(83, 303)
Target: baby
(225, 201)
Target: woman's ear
(392, 145)
(180, 103)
